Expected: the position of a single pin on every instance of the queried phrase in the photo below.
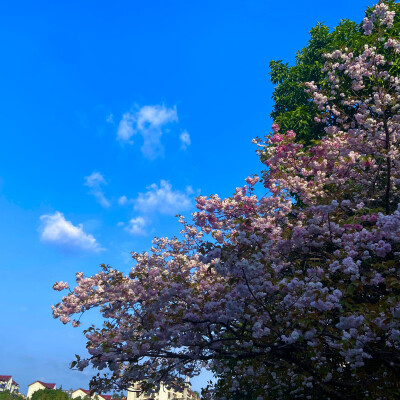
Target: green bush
(10, 396)
(50, 394)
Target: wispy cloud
(136, 226)
(57, 231)
(185, 140)
(125, 128)
(149, 122)
(123, 201)
(158, 199)
(110, 118)
(96, 181)
(162, 199)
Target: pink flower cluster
(381, 15)
(60, 286)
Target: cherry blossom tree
(292, 295)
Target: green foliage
(293, 108)
(6, 395)
(83, 398)
(50, 394)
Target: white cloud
(123, 201)
(95, 181)
(125, 128)
(162, 199)
(185, 140)
(149, 122)
(155, 116)
(137, 226)
(57, 231)
(158, 199)
(110, 118)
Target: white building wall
(6, 385)
(14, 388)
(163, 394)
(78, 393)
(34, 387)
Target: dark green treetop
(293, 109)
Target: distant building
(8, 384)
(86, 393)
(134, 393)
(68, 392)
(80, 393)
(103, 396)
(38, 385)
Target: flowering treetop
(292, 295)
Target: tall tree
(281, 298)
(293, 107)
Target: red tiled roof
(106, 396)
(15, 383)
(46, 385)
(5, 377)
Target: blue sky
(113, 117)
